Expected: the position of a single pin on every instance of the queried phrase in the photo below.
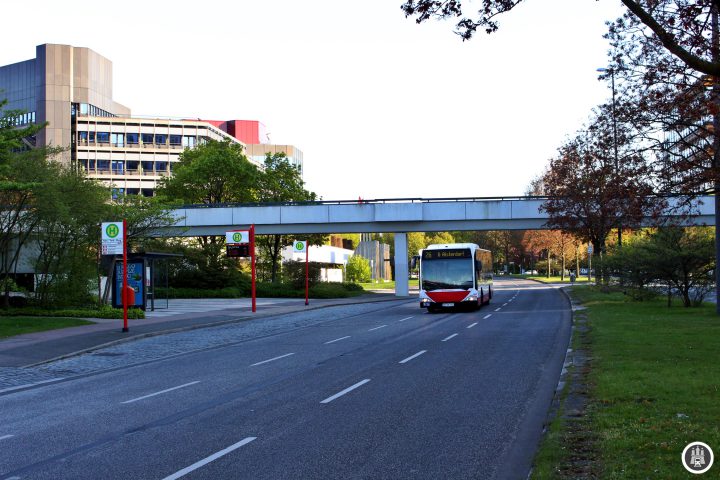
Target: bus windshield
(447, 273)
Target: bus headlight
(472, 298)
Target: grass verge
(553, 279)
(390, 285)
(654, 387)
(10, 326)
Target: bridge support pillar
(401, 265)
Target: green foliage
(357, 269)
(266, 290)
(18, 325)
(214, 172)
(439, 238)
(294, 273)
(681, 258)
(103, 312)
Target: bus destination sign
(446, 253)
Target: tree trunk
(274, 252)
(562, 271)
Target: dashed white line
(209, 459)
(448, 338)
(161, 392)
(406, 318)
(337, 339)
(487, 316)
(471, 325)
(347, 390)
(272, 359)
(498, 309)
(504, 304)
(413, 356)
(377, 328)
(5, 437)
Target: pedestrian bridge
(397, 216)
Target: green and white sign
(299, 246)
(112, 238)
(241, 236)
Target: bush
(102, 312)
(358, 269)
(294, 273)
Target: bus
(455, 275)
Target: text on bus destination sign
(449, 253)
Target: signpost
(114, 242)
(300, 246)
(590, 253)
(241, 243)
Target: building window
(161, 167)
(118, 139)
(103, 165)
(83, 137)
(175, 139)
(118, 167)
(132, 166)
(103, 137)
(91, 137)
(147, 167)
(132, 138)
(161, 139)
(83, 109)
(147, 138)
(188, 141)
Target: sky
(380, 106)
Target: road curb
(198, 326)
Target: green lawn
(10, 326)
(413, 282)
(655, 386)
(552, 279)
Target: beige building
(71, 88)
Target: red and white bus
(455, 275)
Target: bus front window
(440, 274)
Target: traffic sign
(238, 236)
(590, 248)
(299, 246)
(112, 238)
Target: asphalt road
(391, 393)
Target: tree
(215, 172)
(280, 182)
(588, 194)
(357, 269)
(439, 238)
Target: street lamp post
(615, 142)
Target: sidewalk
(34, 348)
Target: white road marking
(487, 316)
(347, 390)
(161, 392)
(504, 304)
(337, 339)
(377, 328)
(451, 336)
(272, 359)
(5, 437)
(406, 318)
(497, 309)
(209, 459)
(471, 325)
(413, 356)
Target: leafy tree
(280, 182)
(416, 242)
(69, 208)
(215, 172)
(589, 194)
(439, 238)
(357, 269)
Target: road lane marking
(347, 390)
(471, 325)
(487, 316)
(161, 392)
(337, 340)
(272, 359)
(448, 338)
(209, 459)
(497, 309)
(376, 328)
(406, 318)
(5, 437)
(504, 304)
(413, 356)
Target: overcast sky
(380, 106)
